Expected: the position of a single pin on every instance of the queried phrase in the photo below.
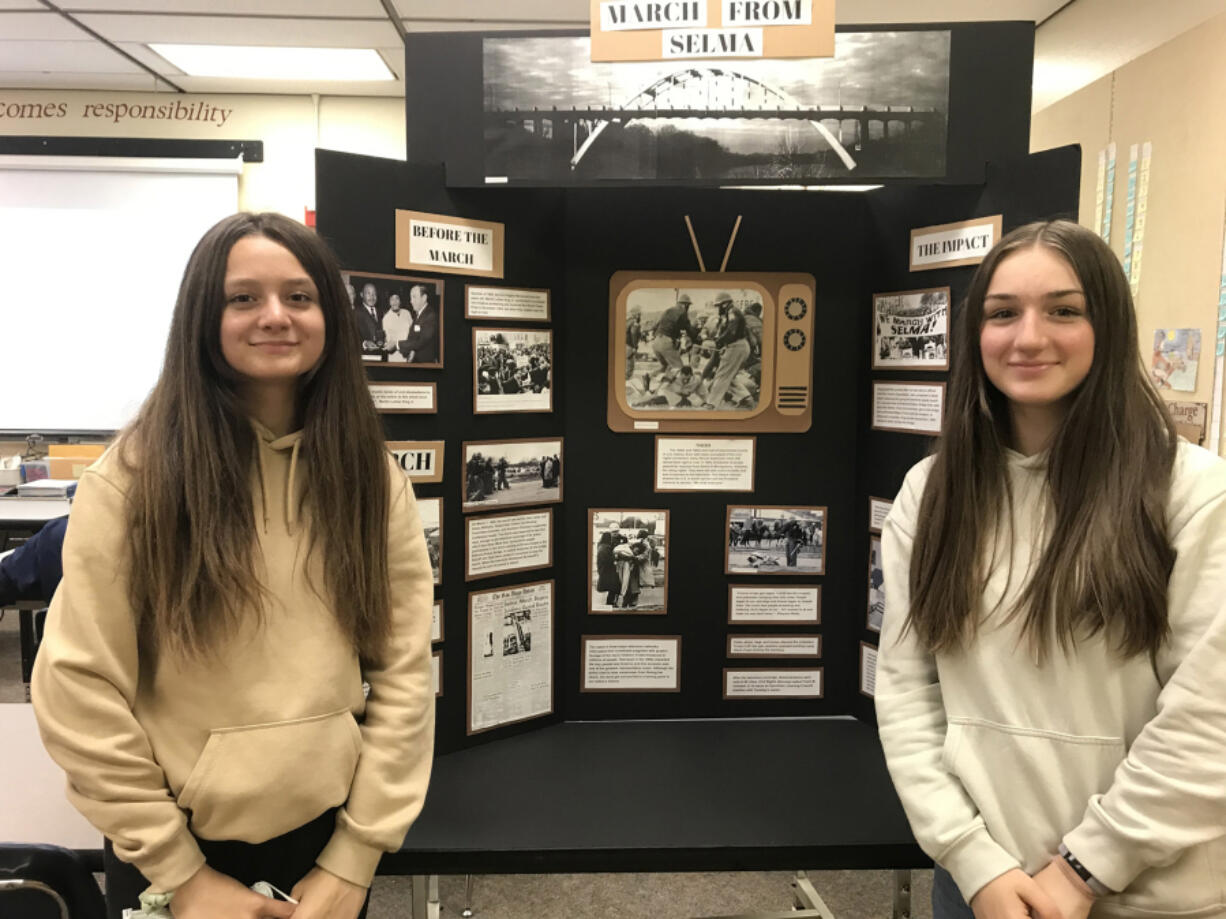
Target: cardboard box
(68, 467)
(93, 451)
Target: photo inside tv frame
(879, 108)
(694, 349)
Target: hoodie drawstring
(291, 501)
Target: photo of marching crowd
(512, 370)
(500, 473)
(693, 349)
(911, 330)
(776, 540)
(627, 561)
(399, 319)
(431, 510)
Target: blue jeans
(947, 902)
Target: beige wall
(289, 126)
(1171, 97)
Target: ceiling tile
(456, 14)
(290, 9)
(138, 82)
(233, 30)
(44, 26)
(872, 12)
(62, 56)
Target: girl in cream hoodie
(234, 567)
(1051, 687)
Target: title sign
(654, 30)
(948, 245)
(452, 245)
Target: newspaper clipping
(510, 654)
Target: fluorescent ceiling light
(264, 63)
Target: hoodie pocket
(255, 782)
(1030, 785)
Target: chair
(47, 882)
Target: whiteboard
(91, 253)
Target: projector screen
(91, 253)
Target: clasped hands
(210, 894)
(1055, 892)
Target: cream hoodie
(262, 739)
(998, 759)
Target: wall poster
(1176, 359)
(510, 659)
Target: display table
(654, 796)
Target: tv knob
(793, 339)
(795, 309)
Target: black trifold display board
(571, 242)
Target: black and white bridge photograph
(877, 109)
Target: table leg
(807, 898)
(418, 908)
(902, 894)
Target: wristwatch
(1097, 887)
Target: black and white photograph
(775, 539)
(911, 330)
(878, 108)
(628, 561)
(431, 511)
(516, 632)
(693, 349)
(399, 318)
(506, 473)
(876, 586)
(512, 370)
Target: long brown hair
(191, 449)
(1107, 558)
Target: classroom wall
(291, 127)
(1171, 97)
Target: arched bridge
(717, 92)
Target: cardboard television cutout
(710, 351)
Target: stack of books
(47, 488)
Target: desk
(31, 512)
(730, 795)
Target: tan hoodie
(266, 736)
(998, 758)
